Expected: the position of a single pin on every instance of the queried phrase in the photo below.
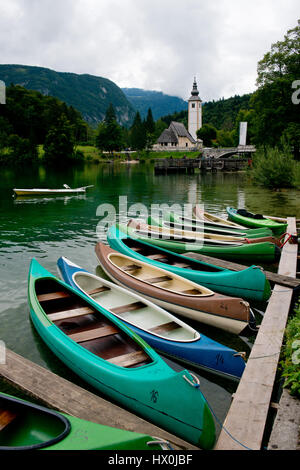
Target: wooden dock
(189, 165)
(57, 393)
(245, 423)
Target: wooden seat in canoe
(53, 296)
(157, 257)
(66, 314)
(154, 280)
(165, 327)
(128, 307)
(64, 295)
(6, 417)
(181, 265)
(98, 290)
(130, 359)
(131, 267)
(94, 333)
(191, 292)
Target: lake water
(47, 228)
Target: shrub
(291, 355)
(275, 168)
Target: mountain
(160, 104)
(89, 94)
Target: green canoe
(248, 219)
(108, 355)
(264, 252)
(177, 221)
(27, 426)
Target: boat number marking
(154, 396)
(219, 358)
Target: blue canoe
(159, 328)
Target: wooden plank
(191, 292)
(277, 278)
(93, 334)
(244, 425)
(75, 312)
(131, 267)
(53, 296)
(128, 307)
(58, 393)
(165, 327)
(6, 417)
(129, 359)
(98, 290)
(154, 280)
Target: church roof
(175, 130)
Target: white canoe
(48, 192)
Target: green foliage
(88, 94)
(208, 134)
(222, 114)
(59, 143)
(291, 354)
(109, 134)
(19, 151)
(275, 167)
(274, 109)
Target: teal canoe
(181, 222)
(248, 219)
(264, 252)
(250, 283)
(108, 355)
(28, 426)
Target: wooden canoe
(250, 283)
(175, 293)
(108, 355)
(159, 328)
(27, 426)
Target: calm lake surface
(47, 228)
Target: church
(177, 137)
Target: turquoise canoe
(248, 219)
(108, 355)
(264, 252)
(27, 426)
(250, 283)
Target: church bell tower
(194, 111)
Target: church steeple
(194, 111)
(195, 91)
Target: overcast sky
(151, 44)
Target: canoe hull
(250, 284)
(38, 427)
(133, 388)
(276, 227)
